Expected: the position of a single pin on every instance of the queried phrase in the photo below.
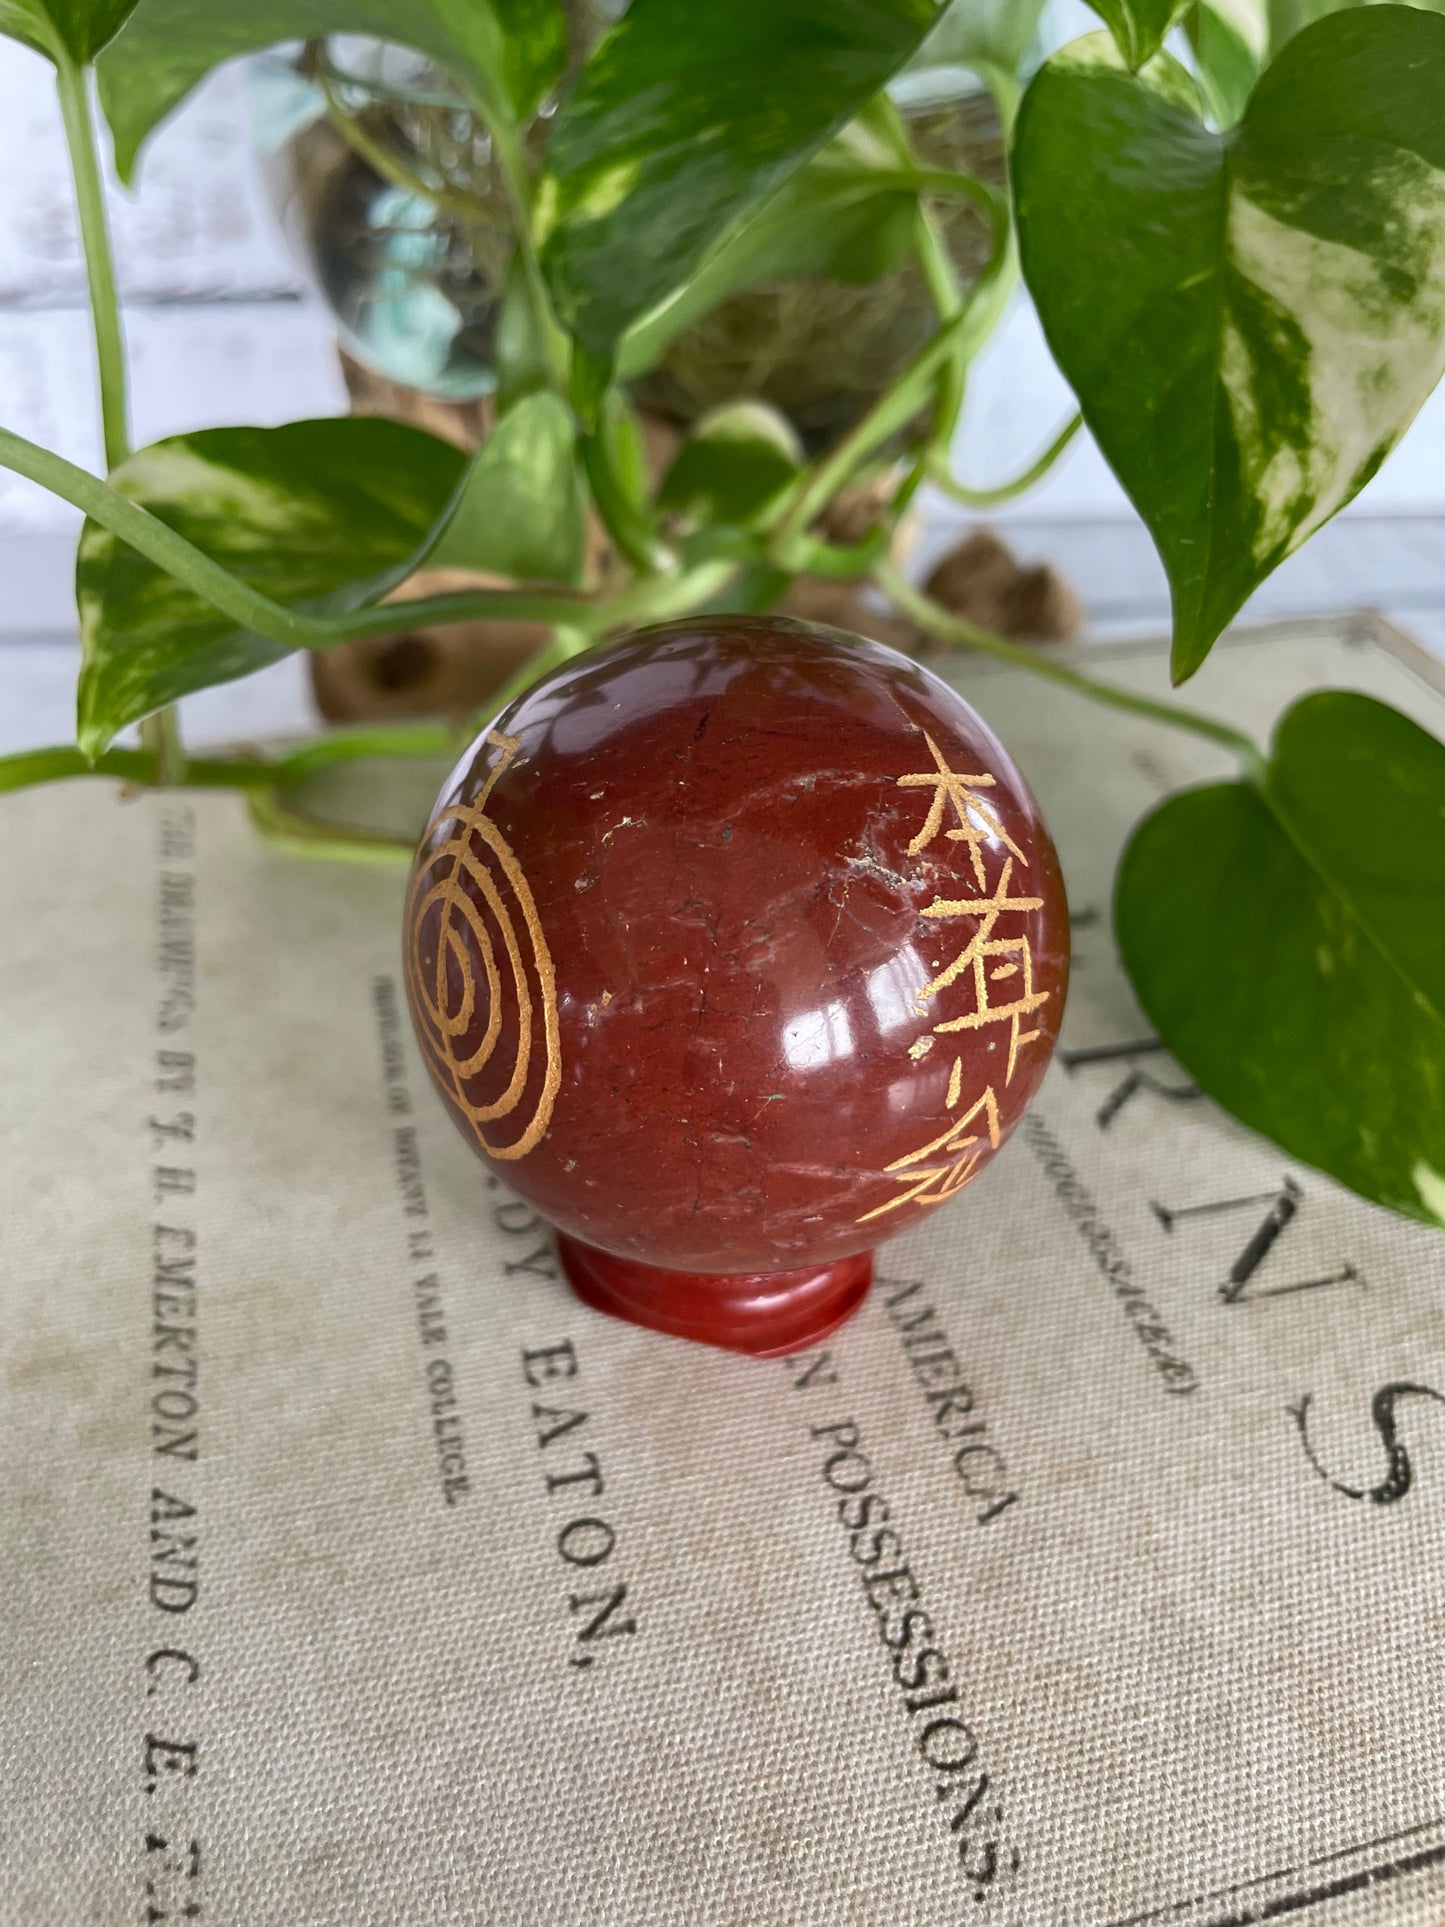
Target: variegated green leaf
(519, 510)
(733, 467)
(63, 29)
(319, 515)
(684, 118)
(1230, 39)
(1251, 319)
(1139, 27)
(843, 215)
(505, 53)
(1287, 17)
(1287, 940)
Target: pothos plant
(1237, 249)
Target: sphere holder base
(763, 1313)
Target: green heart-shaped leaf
(685, 117)
(519, 510)
(1288, 943)
(1139, 27)
(1286, 17)
(73, 30)
(1233, 41)
(1251, 319)
(843, 215)
(733, 467)
(505, 53)
(1230, 39)
(319, 515)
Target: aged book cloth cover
(355, 1573)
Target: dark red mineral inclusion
(736, 948)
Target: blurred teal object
(400, 218)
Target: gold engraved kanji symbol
(978, 820)
(995, 973)
(988, 960)
(470, 905)
(939, 1169)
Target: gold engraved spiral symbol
(469, 906)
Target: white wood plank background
(222, 328)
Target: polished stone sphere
(736, 948)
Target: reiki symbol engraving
(933, 1183)
(989, 960)
(978, 820)
(469, 901)
(998, 971)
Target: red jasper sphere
(736, 947)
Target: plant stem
(660, 598)
(399, 741)
(161, 733)
(385, 740)
(516, 183)
(943, 180)
(633, 536)
(817, 487)
(72, 83)
(461, 605)
(806, 555)
(889, 125)
(958, 339)
(32, 766)
(947, 627)
(942, 476)
(943, 285)
(298, 834)
(1007, 90)
(597, 404)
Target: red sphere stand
(763, 1313)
